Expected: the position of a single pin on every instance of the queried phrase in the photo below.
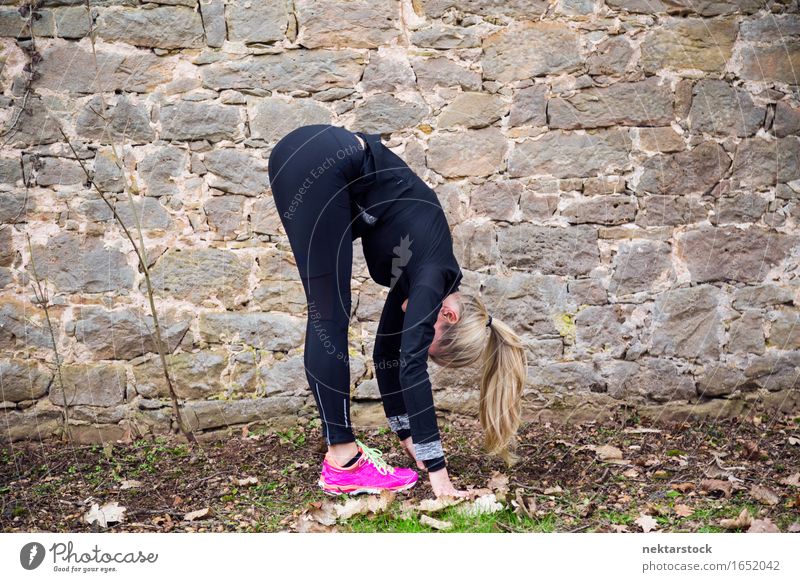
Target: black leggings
(309, 171)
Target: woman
(330, 187)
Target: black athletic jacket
(408, 248)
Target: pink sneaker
(370, 474)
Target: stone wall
(621, 178)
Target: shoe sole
(336, 491)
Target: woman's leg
(309, 177)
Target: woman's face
(448, 314)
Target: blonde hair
(504, 364)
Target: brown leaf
(714, 485)
(619, 528)
(198, 514)
(111, 512)
(683, 510)
(683, 487)
(794, 528)
(130, 484)
(793, 480)
(646, 522)
(741, 521)
(498, 482)
(524, 505)
(607, 453)
(435, 523)
(365, 505)
(485, 504)
(794, 441)
(763, 526)
(753, 452)
(434, 505)
(246, 481)
(764, 495)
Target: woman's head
(462, 338)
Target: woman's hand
(441, 485)
(408, 447)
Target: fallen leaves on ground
(198, 514)
(682, 510)
(323, 515)
(741, 521)
(764, 495)
(106, 514)
(646, 522)
(763, 526)
(716, 486)
(441, 525)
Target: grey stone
(473, 110)
(58, 172)
(165, 27)
(529, 106)
(33, 424)
(537, 207)
(22, 380)
(256, 21)
(604, 328)
(82, 264)
(72, 21)
(35, 125)
(287, 376)
(639, 265)
(66, 66)
(660, 140)
(550, 250)
(571, 155)
(737, 254)
(689, 43)
(126, 122)
(310, 71)
(770, 49)
(13, 24)
(224, 215)
(264, 218)
(193, 375)
(652, 378)
(775, 370)
(530, 49)
(364, 23)
(475, 244)
(268, 331)
(487, 8)
(150, 214)
(587, 291)
(442, 36)
(611, 56)
(720, 109)
(388, 71)
(197, 274)
(108, 176)
(566, 377)
(123, 334)
(236, 172)
(742, 207)
(15, 206)
(444, 72)
(7, 251)
(192, 121)
(385, 113)
(721, 379)
(477, 152)
(159, 168)
(695, 171)
(90, 385)
(679, 7)
(497, 200)
(604, 209)
(687, 324)
(213, 15)
(758, 296)
(746, 334)
(22, 325)
(273, 118)
(207, 414)
(759, 162)
(784, 332)
(647, 102)
(787, 120)
(10, 170)
(670, 210)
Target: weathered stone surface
(194, 375)
(442, 36)
(759, 162)
(23, 380)
(159, 168)
(604, 328)
(610, 57)
(362, 23)
(497, 200)
(33, 424)
(653, 378)
(738, 254)
(787, 119)
(206, 414)
(550, 250)
(528, 302)
(125, 122)
(236, 172)
(224, 215)
(647, 102)
(784, 332)
(746, 334)
(90, 385)
(530, 49)
(310, 71)
(264, 217)
(256, 21)
(7, 252)
(670, 210)
(35, 125)
(198, 274)
(565, 377)
(473, 110)
(271, 119)
(770, 48)
(742, 207)
(478, 152)
(764, 295)
(22, 325)
(384, 113)
(488, 8)
(660, 139)
(108, 176)
(72, 21)
(475, 244)
(191, 121)
(66, 66)
(701, 7)
(13, 24)
(689, 43)
(606, 209)
(164, 27)
(149, 214)
(444, 72)
(10, 170)
(720, 109)
(82, 264)
(15, 206)
(775, 370)
(529, 106)
(123, 334)
(537, 207)
(571, 155)
(268, 331)
(642, 265)
(695, 171)
(388, 70)
(213, 15)
(687, 324)
(59, 171)
(721, 379)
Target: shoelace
(375, 457)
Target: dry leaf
(619, 528)
(498, 482)
(486, 504)
(763, 526)
(793, 480)
(764, 495)
(794, 528)
(434, 505)
(365, 505)
(682, 510)
(741, 521)
(606, 452)
(130, 484)
(683, 487)
(646, 522)
(630, 430)
(247, 481)
(109, 513)
(712, 485)
(524, 505)
(794, 441)
(435, 523)
(631, 473)
(198, 514)
(553, 490)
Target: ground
(688, 477)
